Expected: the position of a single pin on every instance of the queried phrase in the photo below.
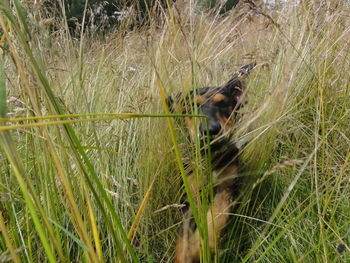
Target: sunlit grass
(92, 163)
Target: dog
(220, 105)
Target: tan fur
(226, 124)
(188, 244)
(190, 126)
(182, 254)
(218, 97)
(200, 99)
(194, 185)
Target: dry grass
(83, 185)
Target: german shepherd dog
(220, 105)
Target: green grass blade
(71, 235)
(7, 144)
(22, 17)
(3, 104)
(80, 154)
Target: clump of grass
(106, 187)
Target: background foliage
(104, 14)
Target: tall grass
(81, 184)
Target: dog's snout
(214, 128)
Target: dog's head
(219, 104)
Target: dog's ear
(245, 70)
(241, 74)
(235, 86)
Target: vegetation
(91, 164)
(101, 15)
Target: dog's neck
(224, 156)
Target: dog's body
(220, 105)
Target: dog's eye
(221, 103)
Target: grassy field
(91, 168)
